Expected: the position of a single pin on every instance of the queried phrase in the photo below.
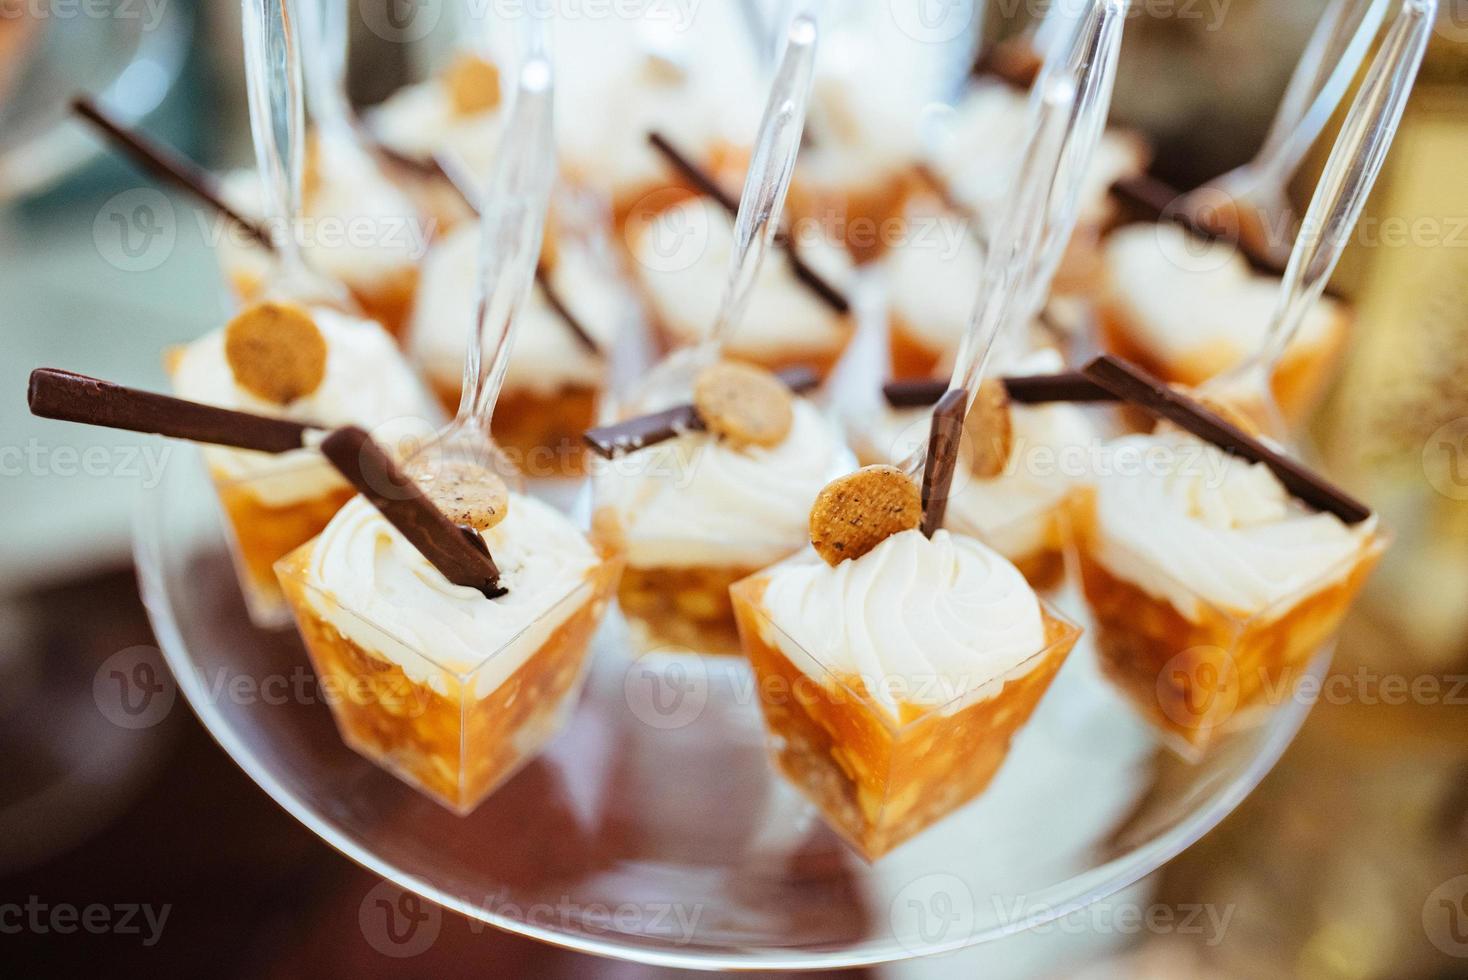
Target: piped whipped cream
(1186, 297)
(697, 501)
(978, 148)
(367, 383)
(379, 592)
(547, 356)
(681, 258)
(420, 121)
(356, 226)
(919, 621)
(1191, 524)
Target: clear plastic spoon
(760, 204)
(512, 224)
(277, 123)
(1256, 191)
(1352, 168)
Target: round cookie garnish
(468, 494)
(747, 405)
(473, 84)
(275, 351)
(989, 430)
(856, 512)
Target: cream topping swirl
(697, 501)
(1191, 524)
(377, 589)
(682, 260)
(420, 121)
(920, 621)
(1186, 296)
(367, 383)
(547, 356)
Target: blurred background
(1351, 860)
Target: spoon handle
(324, 32)
(512, 224)
(277, 116)
(768, 178)
(1351, 170)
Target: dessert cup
(1196, 667)
(1187, 310)
(880, 776)
(455, 730)
(680, 262)
(553, 385)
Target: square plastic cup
(879, 780)
(261, 528)
(1198, 676)
(455, 734)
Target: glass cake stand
(653, 828)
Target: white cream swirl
(681, 258)
(920, 621)
(421, 121)
(1185, 297)
(1191, 524)
(547, 357)
(697, 501)
(375, 587)
(367, 383)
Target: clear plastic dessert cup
(1197, 676)
(455, 734)
(880, 779)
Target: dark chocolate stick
(558, 306)
(1131, 384)
(1030, 389)
(641, 431)
(705, 184)
(167, 166)
(944, 437)
(405, 506)
(55, 394)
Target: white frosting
(686, 286)
(1014, 511)
(420, 121)
(367, 383)
(356, 225)
(376, 588)
(1189, 523)
(1187, 296)
(696, 501)
(933, 276)
(546, 357)
(977, 149)
(919, 621)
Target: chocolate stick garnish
(944, 436)
(1030, 389)
(167, 166)
(705, 184)
(1130, 383)
(55, 394)
(402, 502)
(641, 431)
(559, 307)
